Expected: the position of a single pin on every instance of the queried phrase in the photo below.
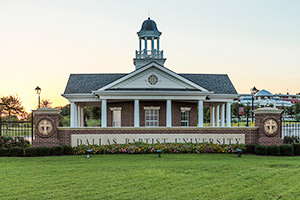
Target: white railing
(149, 54)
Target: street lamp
(253, 92)
(38, 92)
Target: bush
(274, 150)
(261, 150)
(31, 151)
(291, 139)
(297, 149)
(9, 142)
(44, 151)
(287, 150)
(67, 150)
(16, 151)
(250, 148)
(57, 150)
(3, 151)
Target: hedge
(31, 151)
(286, 150)
(261, 150)
(67, 149)
(16, 151)
(250, 148)
(3, 151)
(274, 150)
(57, 150)
(296, 149)
(44, 151)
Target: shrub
(261, 150)
(250, 148)
(31, 151)
(3, 151)
(274, 150)
(67, 150)
(296, 149)
(57, 150)
(9, 142)
(291, 139)
(286, 150)
(16, 151)
(44, 151)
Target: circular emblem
(45, 127)
(152, 79)
(270, 127)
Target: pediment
(152, 76)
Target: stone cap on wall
(46, 111)
(269, 110)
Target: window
(116, 116)
(185, 113)
(151, 116)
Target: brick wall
(127, 113)
(40, 140)
(263, 138)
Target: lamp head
(38, 90)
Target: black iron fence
(290, 128)
(17, 129)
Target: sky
(257, 42)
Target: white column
(218, 116)
(103, 114)
(213, 116)
(200, 113)
(78, 116)
(140, 44)
(157, 44)
(152, 44)
(136, 113)
(72, 114)
(169, 113)
(146, 43)
(228, 114)
(82, 117)
(223, 115)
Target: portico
(152, 95)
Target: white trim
(183, 109)
(151, 107)
(152, 64)
(115, 108)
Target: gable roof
(86, 83)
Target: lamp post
(253, 92)
(38, 92)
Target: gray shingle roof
(85, 83)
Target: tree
(297, 108)
(46, 103)
(11, 106)
(235, 109)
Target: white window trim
(185, 109)
(151, 107)
(115, 108)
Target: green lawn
(182, 176)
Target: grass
(181, 176)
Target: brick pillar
(46, 121)
(269, 122)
